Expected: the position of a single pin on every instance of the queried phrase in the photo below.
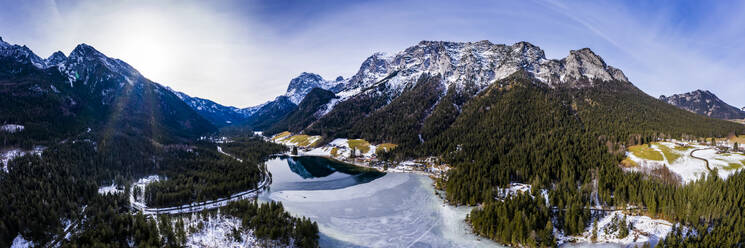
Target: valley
(443, 144)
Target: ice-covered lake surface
(359, 208)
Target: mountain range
(260, 115)
(460, 65)
(495, 114)
(706, 103)
(60, 96)
(425, 87)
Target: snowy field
(687, 167)
(8, 155)
(338, 148)
(217, 232)
(20, 242)
(643, 230)
(11, 128)
(109, 190)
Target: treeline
(304, 114)
(252, 148)
(521, 220)
(271, 222)
(622, 112)
(559, 139)
(38, 192)
(200, 173)
(108, 223)
(712, 207)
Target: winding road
(700, 158)
(205, 205)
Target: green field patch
(682, 148)
(627, 162)
(360, 145)
(303, 140)
(385, 147)
(671, 155)
(646, 152)
(733, 166)
(334, 151)
(281, 135)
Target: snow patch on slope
(643, 230)
(217, 232)
(11, 128)
(20, 242)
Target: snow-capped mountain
(412, 96)
(301, 85)
(706, 103)
(262, 115)
(90, 90)
(21, 54)
(218, 114)
(56, 59)
(480, 63)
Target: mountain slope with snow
(301, 85)
(452, 72)
(706, 103)
(415, 95)
(482, 63)
(218, 114)
(65, 95)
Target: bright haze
(243, 53)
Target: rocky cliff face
(480, 63)
(301, 85)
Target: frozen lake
(355, 207)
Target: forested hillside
(96, 121)
(521, 130)
(312, 106)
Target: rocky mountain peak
(83, 50)
(480, 63)
(528, 51)
(56, 58)
(304, 83)
(584, 62)
(21, 54)
(3, 44)
(84, 59)
(706, 103)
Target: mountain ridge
(706, 103)
(87, 89)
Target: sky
(243, 53)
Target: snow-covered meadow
(676, 156)
(8, 155)
(643, 229)
(11, 128)
(216, 231)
